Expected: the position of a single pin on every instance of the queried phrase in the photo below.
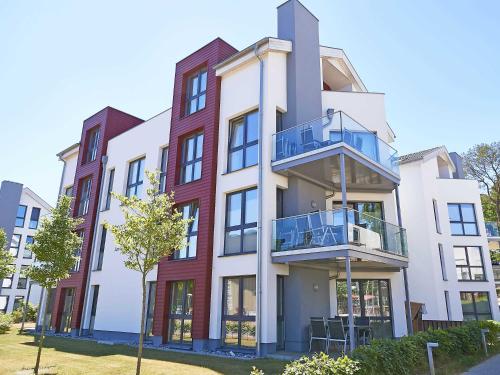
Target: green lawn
(67, 356)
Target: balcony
(328, 234)
(371, 164)
(491, 229)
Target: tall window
(93, 308)
(27, 254)
(102, 245)
(93, 143)
(181, 312)
(189, 211)
(7, 282)
(111, 179)
(462, 219)
(14, 244)
(4, 302)
(135, 178)
(243, 142)
(18, 302)
(475, 305)
(196, 91)
(22, 281)
(68, 191)
(21, 215)
(469, 263)
(163, 169)
(34, 218)
(241, 222)
(447, 303)
(150, 308)
(78, 253)
(83, 206)
(442, 262)
(436, 216)
(192, 152)
(239, 310)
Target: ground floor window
(50, 307)
(4, 302)
(371, 299)
(18, 302)
(280, 313)
(475, 305)
(150, 308)
(93, 308)
(69, 297)
(181, 312)
(239, 311)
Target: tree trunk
(141, 333)
(42, 334)
(26, 307)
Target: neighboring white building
(20, 213)
(494, 246)
(450, 270)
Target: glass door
(67, 311)
(181, 313)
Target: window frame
(111, 180)
(442, 262)
(436, 216)
(20, 236)
(4, 310)
(194, 207)
(92, 136)
(37, 220)
(468, 265)
(78, 253)
(243, 225)
(184, 163)
(163, 170)
(182, 316)
(102, 246)
(17, 298)
(245, 144)
(23, 218)
(461, 221)
(21, 278)
(150, 307)
(475, 314)
(11, 278)
(68, 189)
(84, 200)
(199, 93)
(28, 241)
(139, 180)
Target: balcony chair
(364, 329)
(304, 233)
(321, 231)
(318, 332)
(308, 141)
(337, 333)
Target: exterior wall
(69, 170)
(10, 194)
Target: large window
(4, 302)
(83, 206)
(78, 253)
(27, 254)
(14, 244)
(67, 312)
(163, 170)
(102, 246)
(21, 215)
(469, 263)
(148, 330)
(243, 142)
(7, 282)
(34, 218)
(111, 179)
(92, 145)
(189, 211)
(181, 312)
(135, 178)
(192, 153)
(462, 219)
(22, 281)
(475, 305)
(239, 310)
(241, 222)
(370, 298)
(196, 92)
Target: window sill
(241, 169)
(473, 281)
(182, 259)
(236, 254)
(466, 235)
(186, 115)
(190, 182)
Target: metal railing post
(483, 338)
(430, 346)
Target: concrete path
(488, 367)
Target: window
(243, 142)
(239, 310)
(181, 312)
(93, 143)
(279, 121)
(78, 254)
(462, 219)
(135, 178)
(21, 215)
(469, 263)
(18, 302)
(4, 302)
(14, 244)
(163, 170)
(192, 152)
(447, 303)
(189, 210)
(27, 254)
(93, 308)
(196, 92)
(69, 191)
(67, 312)
(7, 282)
(111, 178)
(475, 305)
(443, 265)
(436, 216)
(241, 222)
(102, 245)
(22, 281)
(150, 308)
(34, 218)
(83, 206)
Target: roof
(419, 155)
(68, 149)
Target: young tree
(152, 229)
(6, 259)
(482, 163)
(55, 244)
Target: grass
(68, 356)
(462, 363)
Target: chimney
(459, 168)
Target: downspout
(104, 161)
(260, 195)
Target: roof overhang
(333, 54)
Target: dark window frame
(29, 240)
(11, 278)
(78, 253)
(163, 170)
(436, 216)
(111, 179)
(199, 91)
(23, 218)
(245, 144)
(68, 191)
(150, 308)
(468, 265)
(16, 299)
(132, 186)
(475, 314)
(461, 221)
(194, 208)
(102, 246)
(22, 281)
(92, 137)
(7, 298)
(93, 307)
(20, 236)
(36, 211)
(85, 193)
(442, 262)
(182, 316)
(243, 225)
(184, 158)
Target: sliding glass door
(181, 313)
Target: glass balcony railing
(329, 130)
(326, 228)
(491, 229)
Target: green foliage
(489, 211)
(5, 322)
(55, 244)
(321, 363)
(31, 311)
(256, 371)
(6, 259)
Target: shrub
(5, 322)
(31, 311)
(321, 364)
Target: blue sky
(61, 61)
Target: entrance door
(67, 312)
(181, 313)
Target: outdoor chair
(337, 334)
(308, 141)
(364, 329)
(318, 332)
(304, 233)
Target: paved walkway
(488, 367)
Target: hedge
(404, 356)
(5, 322)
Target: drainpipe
(104, 161)
(260, 195)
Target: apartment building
(494, 247)
(20, 213)
(283, 158)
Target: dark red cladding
(202, 191)
(111, 122)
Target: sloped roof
(408, 158)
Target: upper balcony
(312, 150)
